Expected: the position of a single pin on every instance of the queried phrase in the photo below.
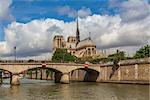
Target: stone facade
(77, 47)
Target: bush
(143, 52)
(61, 55)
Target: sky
(30, 25)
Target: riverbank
(127, 82)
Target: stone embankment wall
(129, 70)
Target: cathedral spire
(77, 32)
(89, 35)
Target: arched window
(89, 51)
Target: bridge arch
(5, 70)
(57, 73)
(29, 67)
(91, 75)
(84, 68)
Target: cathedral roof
(85, 43)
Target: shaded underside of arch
(57, 73)
(90, 75)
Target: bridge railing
(129, 62)
(25, 61)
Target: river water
(48, 90)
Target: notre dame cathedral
(77, 47)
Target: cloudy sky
(30, 25)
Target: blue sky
(113, 23)
(26, 10)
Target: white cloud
(5, 10)
(114, 3)
(84, 12)
(131, 10)
(66, 10)
(108, 31)
(35, 38)
(70, 12)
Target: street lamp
(15, 53)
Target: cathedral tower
(58, 42)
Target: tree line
(61, 55)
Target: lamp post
(148, 51)
(15, 53)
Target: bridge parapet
(135, 61)
(129, 62)
(65, 67)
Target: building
(77, 47)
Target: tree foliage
(143, 52)
(119, 55)
(61, 55)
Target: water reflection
(14, 89)
(47, 90)
(15, 92)
(130, 92)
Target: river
(48, 90)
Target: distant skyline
(30, 25)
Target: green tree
(142, 52)
(61, 55)
(119, 55)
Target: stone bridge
(128, 70)
(61, 70)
